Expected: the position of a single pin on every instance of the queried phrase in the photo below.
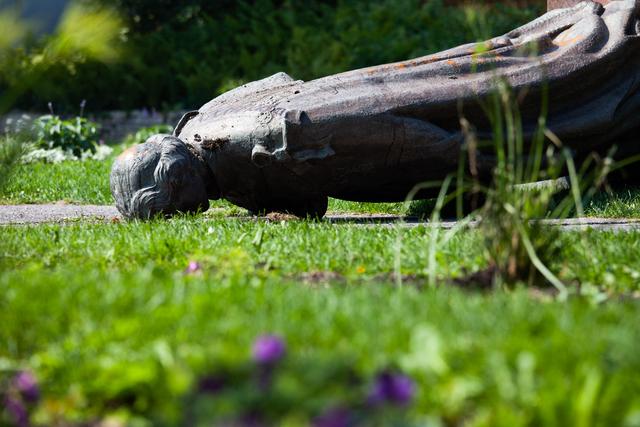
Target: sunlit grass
(82, 303)
(85, 302)
(622, 203)
(294, 247)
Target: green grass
(104, 311)
(113, 328)
(76, 182)
(342, 206)
(293, 247)
(623, 203)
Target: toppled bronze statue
(370, 135)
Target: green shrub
(145, 133)
(77, 135)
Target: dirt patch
(279, 217)
(482, 280)
(321, 277)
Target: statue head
(161, 176)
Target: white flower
(57, 155)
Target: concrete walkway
(36, 214)
(54, 213)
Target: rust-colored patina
(560, 4)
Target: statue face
(160, 176)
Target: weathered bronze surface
(281, 144)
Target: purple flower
(193, 267)
(392, 388)
(17, 412)
(211, 384)
(335, 417)
(268, 349)
(250, 420)
(27, 385)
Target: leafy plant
(77, 135)
(145, 133)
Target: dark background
(180, 53)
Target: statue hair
(171, 157)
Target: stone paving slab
(55, 213)
(36, 214)
(570, 224)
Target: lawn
(152, 323)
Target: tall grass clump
(516, 245)
(11, 150)
(513, 182)
(527, 183)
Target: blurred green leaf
(13, 29)
(86, 33)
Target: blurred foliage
(145, 133)
(45, 69)
(13, 30)
(55, 140)
(182, 53)
(85, 34)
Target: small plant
(56, 140)
(145, 133)
(77, 135)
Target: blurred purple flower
(250, 420)
(17, 412)
(335, 417)
(211, 384)
(392, 388)
(268, 349)
(193, 267)
(27, 385)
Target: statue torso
(371, 134)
